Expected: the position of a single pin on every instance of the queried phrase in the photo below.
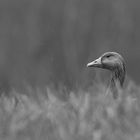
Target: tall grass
(42, 114)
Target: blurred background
(50, 41)
(44, 47)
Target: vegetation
(42, 114)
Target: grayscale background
(46, 90)
(45, 41)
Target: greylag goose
(113, 62)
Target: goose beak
(95, 63)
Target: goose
(115, 63)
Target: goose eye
(108, 56)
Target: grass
(42, 114)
